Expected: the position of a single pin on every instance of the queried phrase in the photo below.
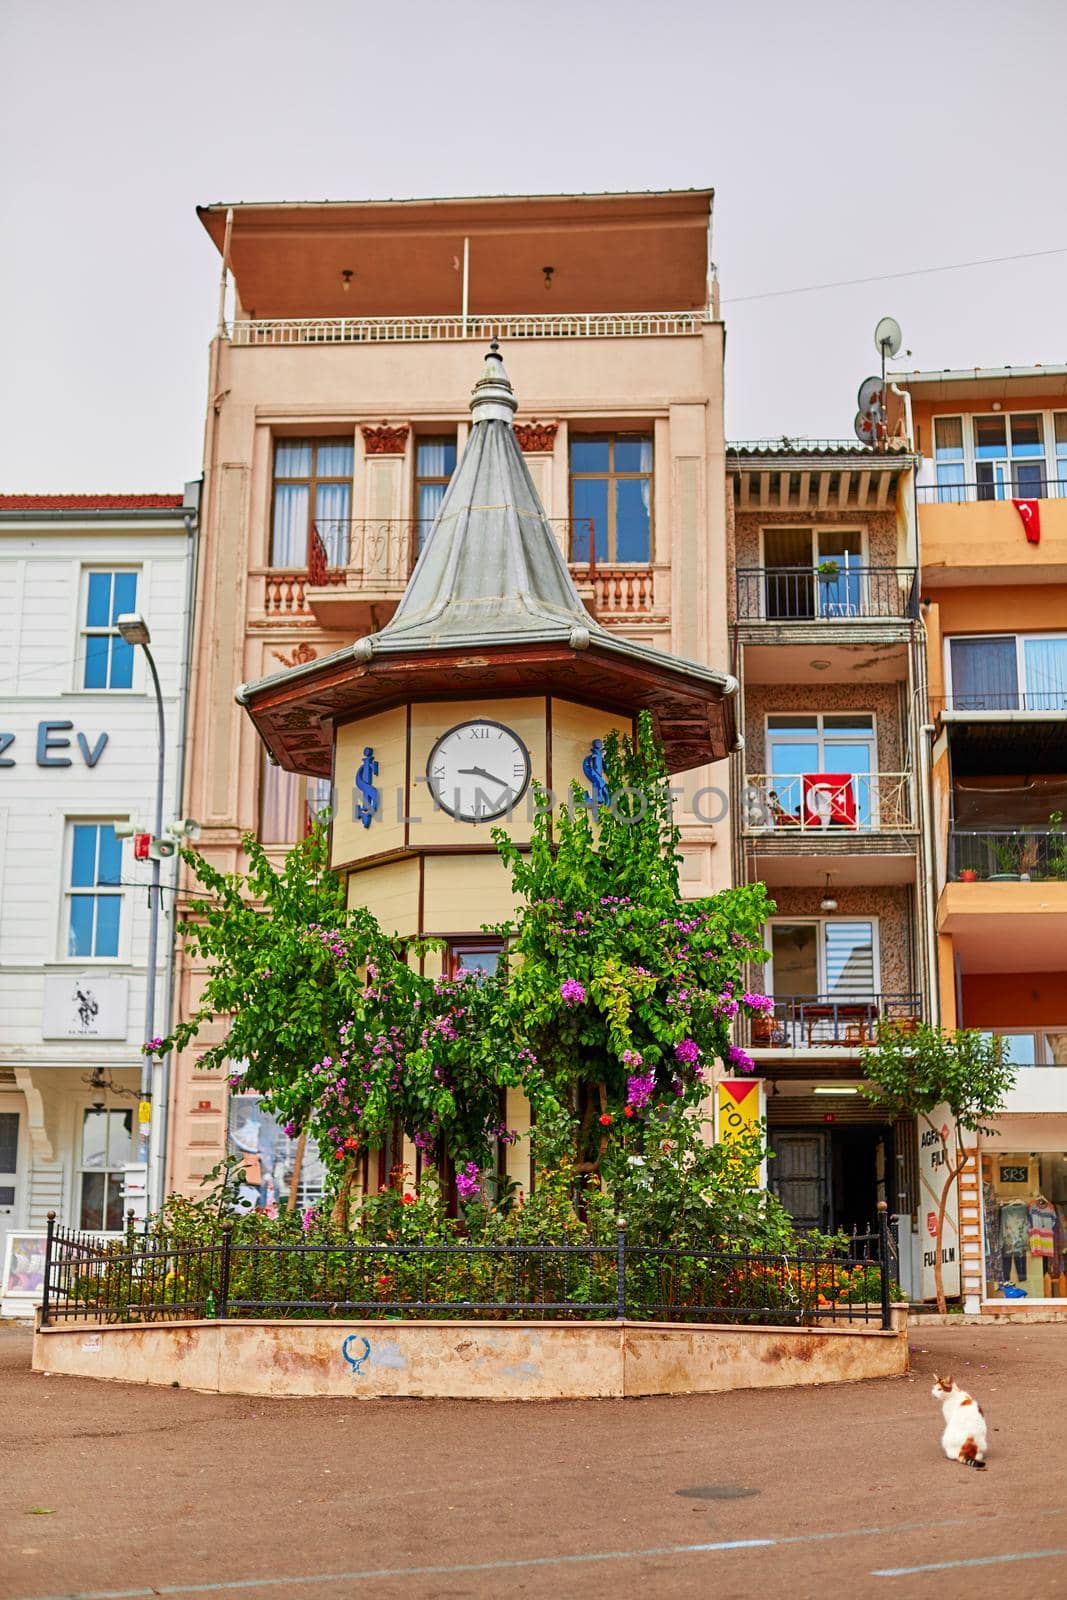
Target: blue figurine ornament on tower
(593, 767)
(366, 807)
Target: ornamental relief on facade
(385, 440)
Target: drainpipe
(191, 506)
(466, 283)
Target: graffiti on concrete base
(348, 1349)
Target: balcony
(831, 1021)
(828, 597)
(357, 570)
(480, 329)
(820, 806)
(970, 537)
(1007, 855)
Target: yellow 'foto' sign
(738, 1109)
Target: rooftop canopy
(527, 254)
(491, 608)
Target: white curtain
(289, 536)
(1046, 674)
(333, 503)
(281, 804)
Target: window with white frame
(1007, 455)
(289, 804)
(1041, 1047)
(835, 957)
(107, 658)
(94, 890)
(1007, 672)
(1059, 441)
(949, 460)
(821, 769)
(106, 1146)
(813, 572)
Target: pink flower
(739, 1059)
(572, 992)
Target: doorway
(831, 1178)
(9, 1174)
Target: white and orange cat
(964, 1438)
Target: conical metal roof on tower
(491, 568)
(491, 608)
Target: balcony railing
(1007, 854)
(447, 329)
(827, 804)
(816, 1022)
(384, 549)
(1027, 488)
(1002, 700)
(804, 594)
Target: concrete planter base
(469, 1360)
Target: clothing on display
(1024, 1206)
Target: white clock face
(478, 770)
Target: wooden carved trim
(386, 441)
(536, 436)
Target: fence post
(47, 1267)
(224, 1275)
(620, 1268)
(883, 1260)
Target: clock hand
(480, 772)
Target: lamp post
(134, 630)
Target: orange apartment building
(992, 511)
(338, 407)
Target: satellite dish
(888, 337)
(865, 427)
(870, 395)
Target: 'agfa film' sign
(937, 1153)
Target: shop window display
(268, 1155)
(1024, 1203)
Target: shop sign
(740, 1107)
(84, 1006)
(937, 1151)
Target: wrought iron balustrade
(818, 1021)
(1007, 853)
(804, 594)
(828, 805)
(1001, 700)
(1026, 488)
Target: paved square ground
(116, 1490)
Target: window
(1024, 1224)
(1059, 430)
(804, 748)
(474, 955)
(108, 658)
(833, 957)
(312, 497)
(1009, 672)
(815, 572)
(1009, 456)
(107, 1144)
(289, 803)
(948, 456)
(435, 462)
(94, 897)
(611, 498)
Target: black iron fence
(1026, 483)
(1004, 854)
(148, 1276)
(815, 1021)
(1002, 700)
(830, 592)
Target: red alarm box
(141, 844)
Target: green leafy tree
(626, 991)
(916, 1073)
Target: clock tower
(491, 678)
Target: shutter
(850, 960)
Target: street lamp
(134, 629)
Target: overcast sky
(843, 141)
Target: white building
(78, 755)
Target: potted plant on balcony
(968, 875)
(827, 571)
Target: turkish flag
(829, 799)
(1030, 511)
